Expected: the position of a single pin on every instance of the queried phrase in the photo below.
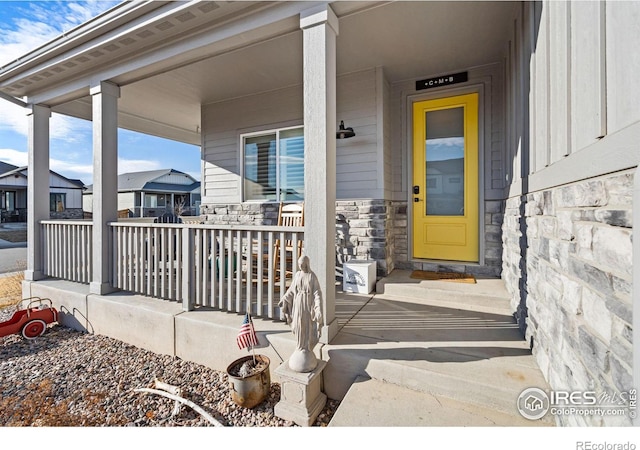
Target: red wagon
(32, 321)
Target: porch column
(105, 181)
(141, 203)
(37, 189)
(319, 29)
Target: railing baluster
(179, 264)
(54, 250)
(226, 260)
(172, 251)
(271, 283)
(211, 262)
(165, 260)
(187, 261)
(238, 265)
(121, 261)
(47, 249)
(204, 301)
(283, 264)
(56, 271)
(156, 261)
(198, 269)
(218, 260)
(259, 273)
(83, 248)
(249, 277)
(127, 261)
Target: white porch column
(105, 181)
(319, 29)
(37, 189)
(141, 203)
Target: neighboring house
(65, 195)
(151, 193)
(524, 113)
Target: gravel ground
(69, 378)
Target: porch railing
(68, 249)
(226, 267)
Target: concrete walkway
(430, 353)
(13, 255)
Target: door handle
(417, 199)
(416, 189)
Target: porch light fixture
(344, 133)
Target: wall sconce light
(344, 133)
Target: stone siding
(244, 213)
(363, 232)
(373, 229)
(493, 217)
(67, 214)
(569, 271)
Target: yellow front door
(445, 179)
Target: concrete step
(488, 375)
(464, 347)
(403, 407)
(486, 295)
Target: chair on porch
(291, 215)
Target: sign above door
(443, 80)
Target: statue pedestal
(301, 396)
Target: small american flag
(247, 335)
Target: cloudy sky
(25, 26)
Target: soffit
(408, 39)
(115, 42)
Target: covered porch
(108, 72)
(213, 73)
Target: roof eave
(84, 32)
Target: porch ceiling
(409, 39)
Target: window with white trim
(274, 165)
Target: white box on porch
(359, 275)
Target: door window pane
(445, 162)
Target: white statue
(302, 309)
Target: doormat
(443, 276)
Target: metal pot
(252, 389)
